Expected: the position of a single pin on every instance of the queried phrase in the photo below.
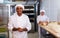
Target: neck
(42, 15)
(19, 14)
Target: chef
(19, 23)
(42, 18)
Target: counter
(52, 28)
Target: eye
(19, 8)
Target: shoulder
(12, 17)
(46, 16)
(26, 16)
(38, 16)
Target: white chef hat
(20, 6)
(42, 11)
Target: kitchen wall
(52, 8)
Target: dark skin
(19, 10)
(19, 13)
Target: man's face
(19, 10)
(42, 13)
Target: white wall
(52, 8)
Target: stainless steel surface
(3, 19)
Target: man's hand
(20, 29)
(25, 29)
(14, 29)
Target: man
(42, 18)
(19, 23)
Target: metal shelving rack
(29, 10)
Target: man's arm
(22, 29)
(25, 29)
(28, 25)
(14, 29)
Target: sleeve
(10, 24)
(28, 24)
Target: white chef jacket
(19, 21)
(41, 18)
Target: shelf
(31, 16)
(28, 11)
(29, 7)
